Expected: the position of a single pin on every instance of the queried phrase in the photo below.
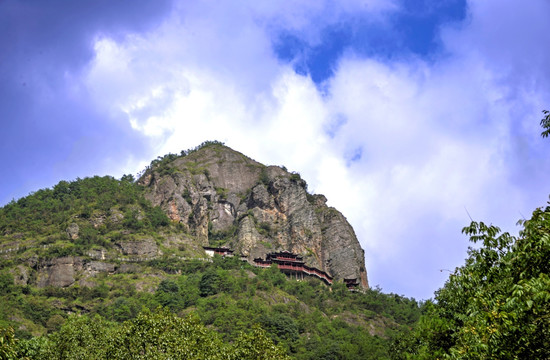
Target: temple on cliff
(292, 265)
(289, 263)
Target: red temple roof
(292, 263)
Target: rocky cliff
(222, 198)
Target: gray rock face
(99, 266)
(59, 272)
(65, 271)
(222, 197)
(145, 247)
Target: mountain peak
(224, 198)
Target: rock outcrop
(145, 247)
(221, 197)
(59, 272)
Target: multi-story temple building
(292, 265)
(289, 263)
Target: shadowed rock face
(222, 197)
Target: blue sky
(405, 114)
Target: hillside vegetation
(495, 306)
(89, 264)
(306, 319)
(135, 285)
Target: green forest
(495, 306)
(225, 302)
(236, 308)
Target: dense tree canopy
(233, 302)
(158, 335)
(496, 306)
(305, 320)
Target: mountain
(93, 254)
(223, 198)
(208, 196)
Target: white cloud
(430, 139)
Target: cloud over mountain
(403, 115)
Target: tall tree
(496, 306)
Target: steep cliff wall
(221, 197)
